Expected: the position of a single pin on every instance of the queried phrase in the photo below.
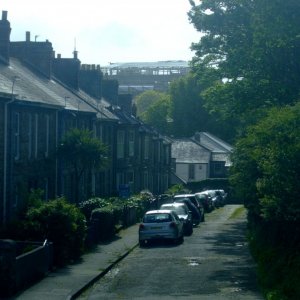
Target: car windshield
(180, 210)
(157, 218)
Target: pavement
(72, 280)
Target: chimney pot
(4, 15)
(75, 54)
(27, 36)
(58, 55)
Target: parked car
(224, 196)
(183, 213)
(206, 200)
(216, 198)
(160, 224)
(194, 201)
(196, 217)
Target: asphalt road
(214, 263)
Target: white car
(183, 213)
(160, 224)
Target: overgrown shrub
(88, 206)
(275, 247)
(177, 188)
(61, 223)
(104, 218)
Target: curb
(79, 291)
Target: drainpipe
(12, 99)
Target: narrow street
(213, 263)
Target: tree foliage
(82, 152)
(158, 113)
(266, 165)
(146, 99)
(61, 223)
(187, 107)
(254, 45)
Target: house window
(191, 171)
(120, 144)
(47, 135)
(36, 132)
(167, 154)
(46, 189)
(146, 180)
(131, 143)
(17, 136)
(130, 176)
(146, 148)
(119, 180)
(158, 151)
(218, 168)
(29, 136)
(99, 132)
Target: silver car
(160, 224)
(183, 213)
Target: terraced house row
(42, 96)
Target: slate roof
(35, 88)
(123, 116)
(212, 142)
(188, 151)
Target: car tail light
(142, 226)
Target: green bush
(141, 202)
(178, 188)
(105, 222)
(274, 246)
(61, 223)
(89, 205)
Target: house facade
(201, 157)
(43, 96)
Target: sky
(106, 31)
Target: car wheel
(142, 243)
(190, 230)
(179, 240)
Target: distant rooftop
(156, 64)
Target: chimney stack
(27, 36)
(4, 37)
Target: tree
(187, 106)
(266, 165)
(157, 114)
(82, 152)
(254, 45)
(266, 173)
(144, 100)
